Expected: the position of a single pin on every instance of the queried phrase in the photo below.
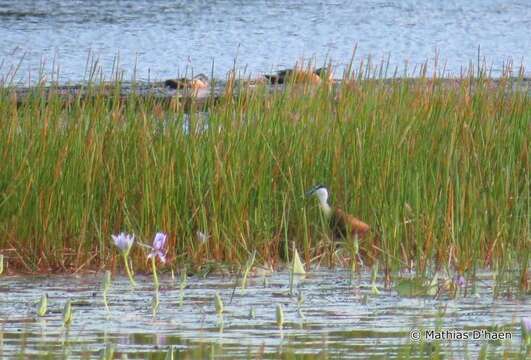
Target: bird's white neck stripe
(323, 204)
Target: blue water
(333, 316)
(162, 38)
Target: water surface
(336, 318)
(166, 37)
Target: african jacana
(341, 223)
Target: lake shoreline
(157, 91)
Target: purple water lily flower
(526, 325)
(123, 241)
(459, 280)
(159, 242)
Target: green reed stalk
(154, 270)
(435, 166)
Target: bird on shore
(199, 81)
(341, 223)
(299, 76)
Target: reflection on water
(337, 313)
(165, 36)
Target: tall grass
(439, 168)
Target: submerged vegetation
(439, 169)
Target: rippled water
(336, 318)
(164, 37)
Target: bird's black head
(314, 189)
(324, 73)
(321, 71)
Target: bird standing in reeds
(347, 227)
(341, 223)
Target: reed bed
(439, 168)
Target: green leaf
(297, 266)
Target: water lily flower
(526, 322)
(526, 326)
(459, 280)
(124, 242)
(159, 243)
(157, 250)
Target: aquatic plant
(296, 270)
(247, 269)
(279, 314)
(252, 313)
(158, 250)
(417, 287)
(169, 354)
(297, 266)
(182, 285)
(108, 352)
(67, 313)
(218, 303)
(374, 275)
(525, 326)
(124, 242)
(300, 301)
(155, 303)
(455, 150)
(107, 281)
(1, 264)
(42, 308)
